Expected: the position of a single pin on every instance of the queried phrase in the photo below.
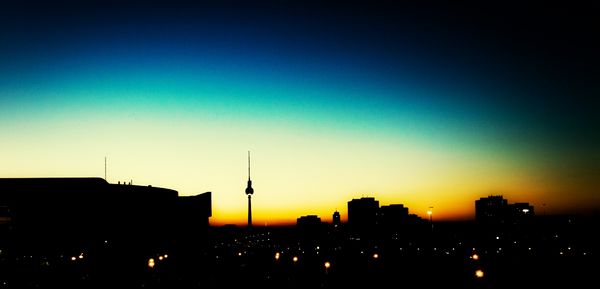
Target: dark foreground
(556, 255)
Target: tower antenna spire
(248, 165)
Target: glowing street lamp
(375, 256)
(327, 265)
(430, 213)
(151, 263)
(479, 273)
(295, 259)
(475, 257)
(277, 256)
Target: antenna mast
(248, 165)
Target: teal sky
(333, 103)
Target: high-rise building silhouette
(337, 221)
(491, 209)
(249, 192)
(362, 213)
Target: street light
(151, 263)
(430, 213)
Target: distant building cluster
(497, 210)
(365, 214)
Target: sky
(422, 104)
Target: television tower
(249, 192)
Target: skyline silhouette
(367, 210)
(87, 233)
(394, 144)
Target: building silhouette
(362, 214)
(55, 213)
(308, 221)
(310, 229)
(520, 212)
(490, 209)
(392, 216)
(365, 216)
(337, 220)
(497, 210)
(192, 223)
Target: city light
(375, 256)
(277, 256)
(295, 259)
(81, 256)
(239, 253)
(475, 257)
(430, 213)
(151, 263)
(73, 258)
(327, 265)
(479, 273)
(166, 256)
(160, 258)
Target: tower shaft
(249, 211)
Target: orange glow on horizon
(265, 217)
(415, 172)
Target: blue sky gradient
(380, 84)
